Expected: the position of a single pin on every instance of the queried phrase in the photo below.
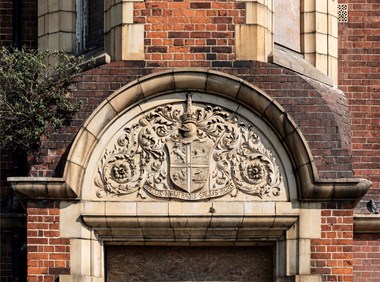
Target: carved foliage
(191, 154)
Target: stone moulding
(351, 190)
(367, 223)
(41, 188)
(199, 228)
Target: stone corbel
(41, 188)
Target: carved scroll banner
(190, 153)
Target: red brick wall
(28, 23)
(367, 257)
(190, 33)
(48, 254)
(332, 256)
(29, 27)
(359, 78)
(6, 257)
(6, 22)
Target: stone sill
(95, 59)
(288, 59)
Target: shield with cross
(189, 164)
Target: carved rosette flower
(119, 169)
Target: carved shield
(189, 164)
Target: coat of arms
(191, 153)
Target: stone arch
(215, 83)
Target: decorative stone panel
(180, 150)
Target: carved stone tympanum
(190, 153)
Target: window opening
(90, 25)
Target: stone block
(67, 5)
(258, 14)
(308, 22)
(321, 22)
(333, 26)
(53, 41)
(321, 6)
(332, 8)
(310, 221)
(309, 44)
(42, 7)
(53, 23)
(253, 42)
(120, 102)
(41, 26)
(107, 113)
(152, 209)
(117, 43)
(259, 208)
(133, 42)
(121, 208)
(321, 62)
(309, 6)
(53, 5)
(67, 22)
(127, 13)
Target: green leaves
(34, 95)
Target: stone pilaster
(319, 35)
(254, 39)
(56, 25)
(124, 39)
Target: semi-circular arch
(215, 83)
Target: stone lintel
(41, 188)
(194, 228)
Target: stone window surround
(93, 224)
(319, 35)
(124, 39)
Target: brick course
(331, 256)
(27, 24)
(366, 252)
(189, 33)
(359, 78)
(48, 254)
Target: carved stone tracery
(192, 154)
